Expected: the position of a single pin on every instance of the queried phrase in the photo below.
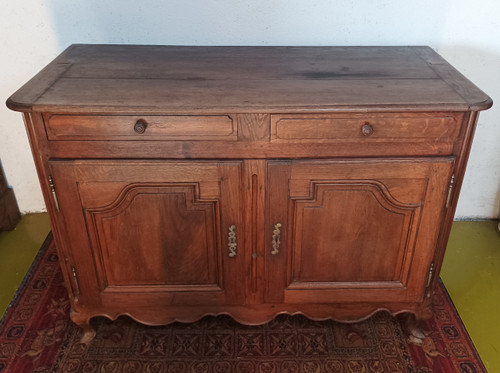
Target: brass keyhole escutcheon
(276, 239)
(231, 241)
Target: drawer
(372, 128)
(147, 127)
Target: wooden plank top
(178, 79)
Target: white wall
(466, 33)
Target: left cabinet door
(155, 233)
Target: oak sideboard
(250, 181)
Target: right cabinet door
(353, 230)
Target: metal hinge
(450, 190)
(53, 190)
(431, 272)
(75, 277)
(430, 275)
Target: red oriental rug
(36, 335)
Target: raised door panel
(170, 237)
(354, 230)
(344, 218)
(157, 228)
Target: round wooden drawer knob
(140, 126)
(367, 129)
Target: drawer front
(372, 128)
(148, 127)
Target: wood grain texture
(250, 181)
(166, 232)
(117, 127)
(246, 149)
(155, 79)
(463, 148)
(476, 98)
(360, 225)
(383, 127)
(253, 127)
(254, 183)
(178, 230)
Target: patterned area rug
(36, 335)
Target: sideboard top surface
(181, 79)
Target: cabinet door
(353, 231)
(152, 232)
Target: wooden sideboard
(250, 181)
